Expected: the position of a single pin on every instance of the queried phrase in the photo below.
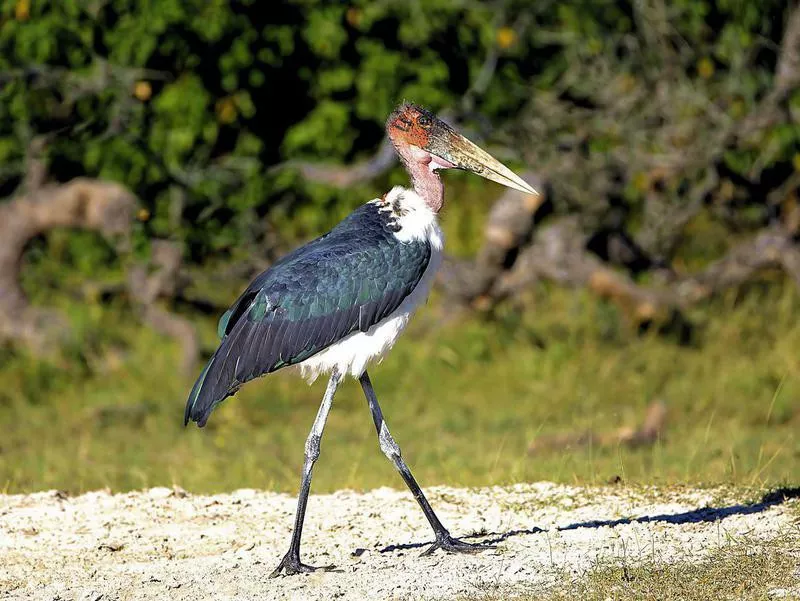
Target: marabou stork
(341, 301)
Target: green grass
(740, 573)
(745, 570)
(463, 396)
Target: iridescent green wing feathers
(346, 281)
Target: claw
(446, 542)
(291, 565)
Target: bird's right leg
(291, 564)
(444, 540)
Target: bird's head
(423, 140)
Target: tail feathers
(200, 404)
(201, 401)
(237, 360)
(231, 366)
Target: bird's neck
(425, 181)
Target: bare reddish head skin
(410, 124)
(416, 135)
(427, 145)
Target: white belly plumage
(352, 354)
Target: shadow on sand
(704, 514)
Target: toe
(453, 545)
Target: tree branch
(509, 225)
(787, 80)
(161, 278)
(558, 254)
(104, 207)
(342, 176)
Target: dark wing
(302, 305)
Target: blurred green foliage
(190, 102)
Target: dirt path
(165, 544)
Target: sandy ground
(167, 544)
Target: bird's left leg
(291, 564)
(444, 540)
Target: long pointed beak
(458, 150)
(473, 158)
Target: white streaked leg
(291, 564)
(444, 540)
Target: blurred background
(636, 323)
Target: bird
(338, 303)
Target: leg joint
(312, 447)
(387, 443)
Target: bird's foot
(446, 542)
(291, 564)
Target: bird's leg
(290, 564)
(444, 540)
